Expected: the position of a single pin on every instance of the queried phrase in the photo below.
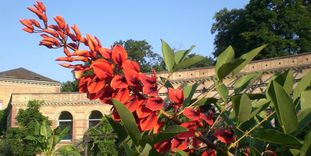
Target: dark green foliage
(284, 25)
(141, 51)
(102, 140)
(70, 86)
(28, 117)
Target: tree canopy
(284, 25)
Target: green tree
(141, 51)
(70, 86)
(34, 134)
(283, 25)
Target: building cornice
(33, 82)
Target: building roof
(24, 74)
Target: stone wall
(9, 86)
(75, 103)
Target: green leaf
(306, 147)
(227, 68)
(166, 82)
(305, 99)
(180, 153)
(248, 57)
(286, 80)
(224, 57)
(245, 109)
(168, 56)
(244, 81)
(118, 128)
(274, 136)
(284, 106)
(222, 90)
(168, 133)
(181, 54)
(205, 101)
(304, 118)
(43, 129)
(146, 150)
(128, 150)
(128, 121)
(302, 85)
(188, 93)
(30, 138)
(262, 104)
(188, 62)
(242, 107)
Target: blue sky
(181, 23)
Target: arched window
(95, 118)
(65, 120)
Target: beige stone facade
(9, 86)
(55, 103)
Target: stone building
(18, 86)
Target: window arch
(95, 118)
(65, 120)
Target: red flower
(209, 153)
(128, 64)
(197, 115)
(163, 146)
(102, 69)
(131, 77)
(224, 135)
(118, 81)
(143, 111)
(176, 96)
(106, 53)
(119, 54)
(179, 144)
(95, 85)
(155, 103)
(134, 102)
(150, 86)
(122, 95)
(157, 127)
(148, 122)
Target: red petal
(115, 116)
(176, 95)
(106, 53)
(143, 111)
(225, 136)
(102, 69)
(150, 84)
(155, 103)
(193, 114)
(157, 127)
(134, 102)
(131, 77)
(209, 153)
(207, 119)
(119, 55)
(149, 122)
(95, 85)
(128, 64)
(122, 95)
(162, 146)
(179, 144)
(118, 81)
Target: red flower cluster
(106, 73)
